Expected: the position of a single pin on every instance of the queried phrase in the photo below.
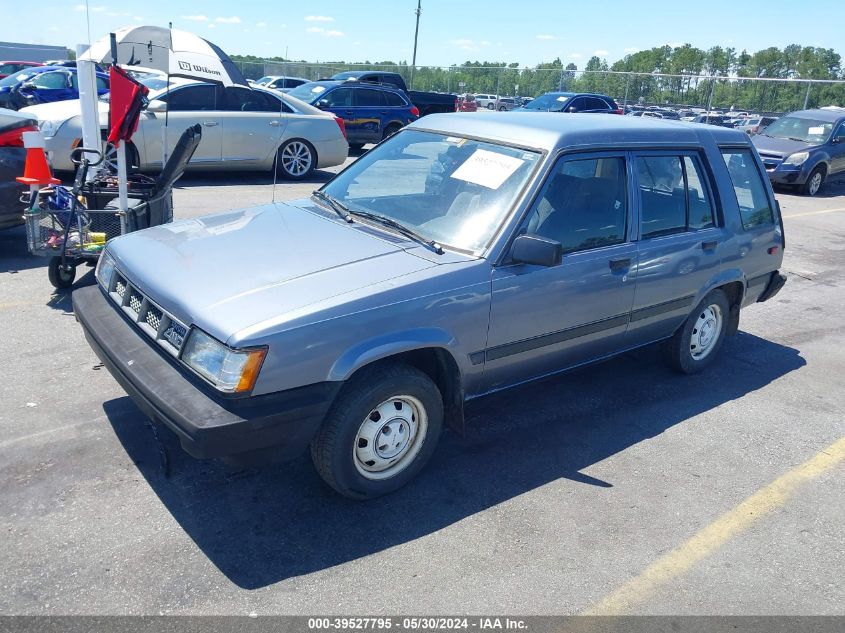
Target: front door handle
(209, 123)
(709, 246)
(275, 123)
(620, 264)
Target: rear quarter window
(755, 208)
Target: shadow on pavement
(264, 525)
(218, 179)
(14, 254)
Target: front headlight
(104, 270)
(798, 158)
(49, 128)
(232, 371)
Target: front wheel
(61, 277)
(296, 160)
(814, 182)
(390, 130)
(380, 431)
(490, 106)
(697, 343)
(502, 109)
(110, 158)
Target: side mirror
(836, 140)
(572, 109)
(322, 104)
(28, 86)
(157, 106)
(534, 249)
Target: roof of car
(353, 84)
(820, 114)
(552, 131)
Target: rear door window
(367, 98)
(674, 197)
(594, 103)
(755, 208)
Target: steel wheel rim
(390, 437)
(815, 183)
(706, 331)
(110, 158)
(296, 158)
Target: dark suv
(370, 112)
(572, 102)
(804, 148)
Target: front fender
(386, 345)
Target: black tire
(334, 449)
(356, 147)
(296, 159)
(61, 278)
(502, 109)
(490, 106)
(680, 350)
(390, 130)
(110, 159)
(814, 181)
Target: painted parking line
(801, 215)
(680, 560)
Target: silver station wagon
(462, 256)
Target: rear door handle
(709, 246)
(620, 264)
(209, 123)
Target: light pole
(416, 34)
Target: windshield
(551, 102)
(453, 190)
(800, 129)
(309, 92)
(13, 80)
(263, 80)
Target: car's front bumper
(208, 425)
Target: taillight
(619, 111)
(457, 105)
(14, 138)
(415, 111)
(341, 124)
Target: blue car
(572, 102)
(44, 84)
(804, 148)
(370, 112)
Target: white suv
(486, 101)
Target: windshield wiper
(795, 138)
(334, 204)
(400, 228)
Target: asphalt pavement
(621, 487)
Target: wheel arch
(285, 141)
(429, 351)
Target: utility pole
(416, 34)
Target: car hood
(227, 272)
(779, 146)
(61, 110)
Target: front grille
(167, 331)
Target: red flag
(125, 103)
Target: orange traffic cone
(37, 171)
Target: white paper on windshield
(562, 98)
(816, 131)
(487, 169)
(318, 89)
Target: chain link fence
(762, 95)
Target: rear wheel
(390, 130)
(502, 108)
(110, 158)
(61, 277)
(814, 182)
(380, 431)
(490, 106)
(697, 343)
(296, 159)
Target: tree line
(717, 76)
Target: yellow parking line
(801, 215)
(681, 559)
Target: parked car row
(12, 158)
(44, 84)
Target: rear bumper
(771, 283)
(208, 425)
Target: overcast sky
(450, 32)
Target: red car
(467, 103)
(8, 68)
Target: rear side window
(673, 195)
(583, 204)
(754, 206)
(395, 101)
(594, 103)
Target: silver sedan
(243, 129)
